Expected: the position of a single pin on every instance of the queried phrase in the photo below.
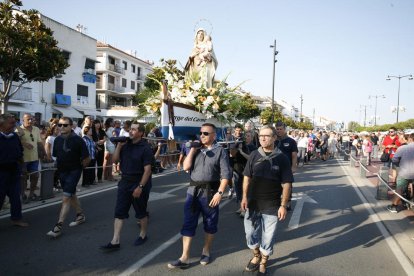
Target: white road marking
(301, 198)
(140, 263)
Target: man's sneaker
(56, 231)
(394, 208)
(80, 218)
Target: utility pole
(365, 114)
(273, 84)
(301, 104)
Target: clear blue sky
(335, 53)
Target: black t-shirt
(374, 139)
(70, 152)
(96, 136)
(325, 139)
(134, 157)
(265, 188)
(287, 145)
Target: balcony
(115, 68)
(140, 78)
(116, 88)
(23, 94)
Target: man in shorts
(135, 157)
(72, 156)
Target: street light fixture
(273, 84)
(376, 99)
(399, 77)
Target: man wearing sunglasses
(32, 149)
(210, 174)
(72, 156)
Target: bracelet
(284, 206)
(141, 186)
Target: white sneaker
(80, 218)
(56, 231)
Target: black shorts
(125, 199)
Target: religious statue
(202, 60)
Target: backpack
(368, 147)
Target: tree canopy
(28, 50)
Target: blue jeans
(262, 234)
(238, 185)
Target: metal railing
(383, 177)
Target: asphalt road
(334, 234)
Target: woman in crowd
(99, 137)
(302, 147)
(367, 146)
(109, 150)
(51, 134)
(89, 171)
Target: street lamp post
(301, 104)
(365, 114)
(399, 77)
(273, 84)
(376, 99)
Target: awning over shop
(68, 111)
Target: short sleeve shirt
(70, 152)
(287, 146)
(32, 138)
(134, 157)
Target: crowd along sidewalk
(400, 225)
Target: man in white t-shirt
(76, 129)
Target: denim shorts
(210, 216)
(69, 180)
(32, 166)
(125, 199)
(262, 233)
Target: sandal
(254, 266)
(262, 265)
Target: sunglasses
(31, 136)
(62, 125)
(204, 133)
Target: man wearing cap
(210, 174)
(135, 157)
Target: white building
(119, 76)
(72, 94)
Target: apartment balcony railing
(115, 68)
(99, 85)
(115, 88)
(23, 94)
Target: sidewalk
(399, 225)
(105, 185)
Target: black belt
(199, 187)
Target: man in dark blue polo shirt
(135, 157)
(72, 156)
(11, 159)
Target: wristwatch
(141, 186)
(220, 193)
